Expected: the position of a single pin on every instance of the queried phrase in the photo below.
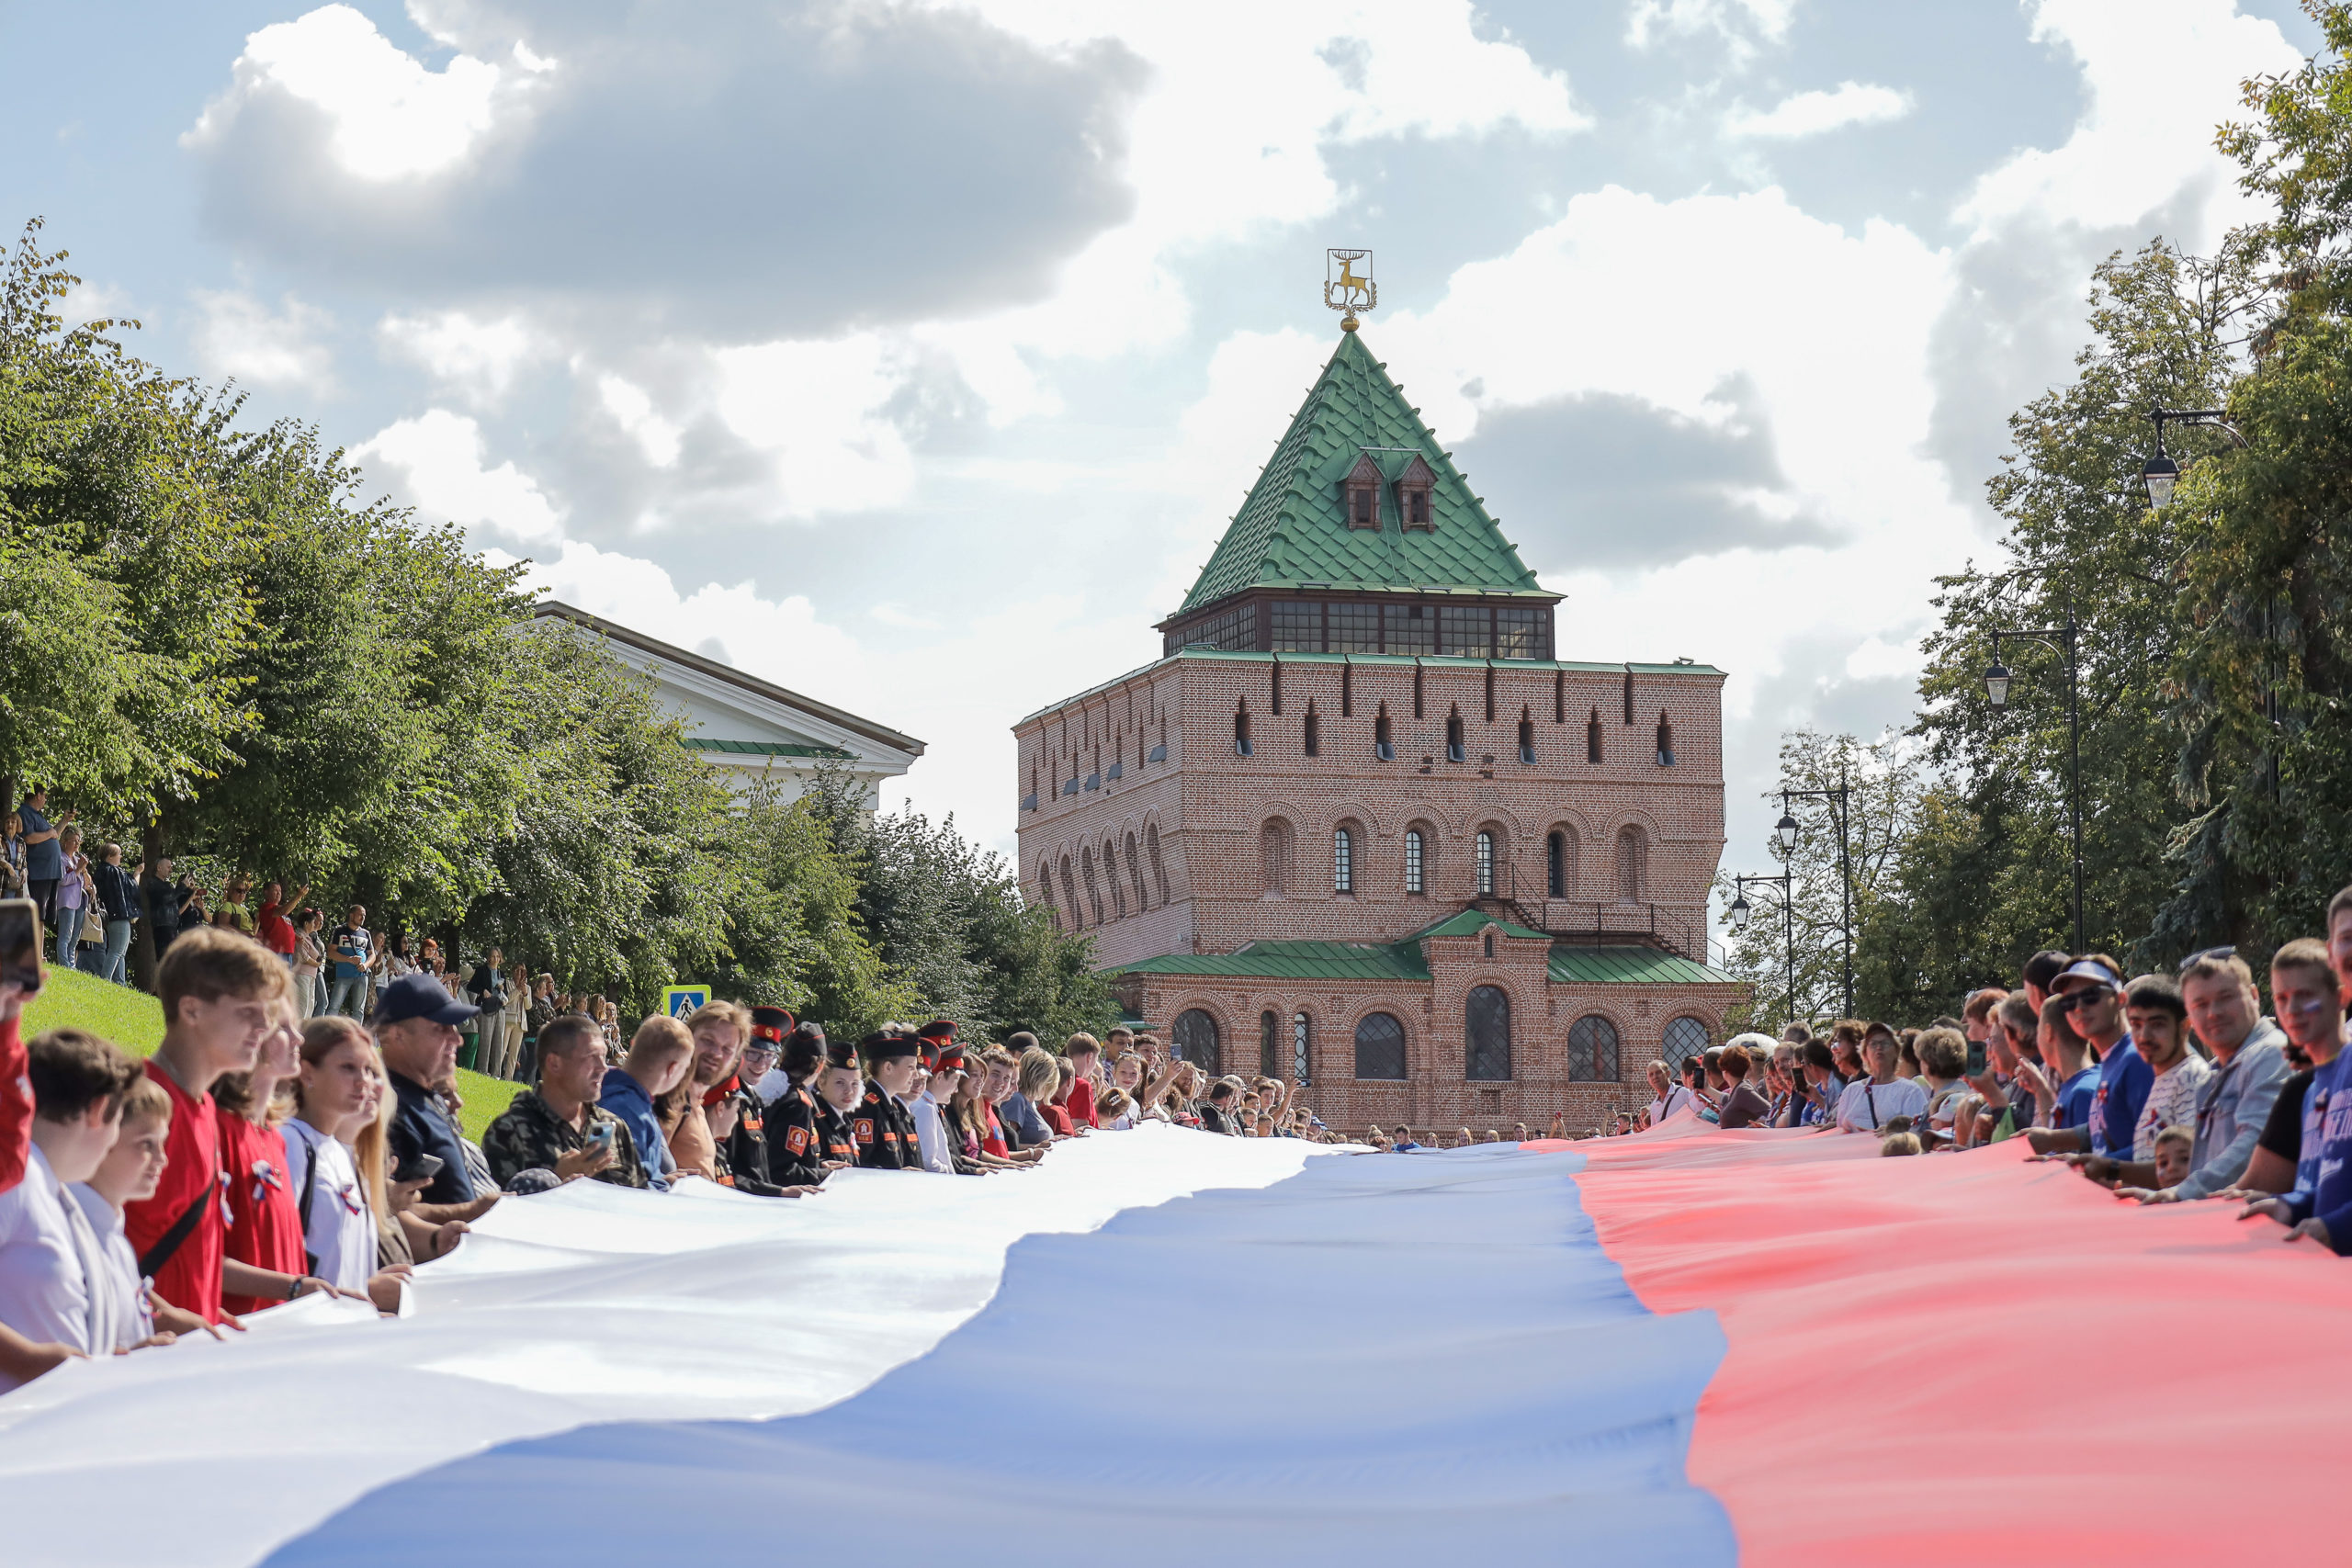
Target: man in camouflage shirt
(560, 1126)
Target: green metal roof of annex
(1292, 530)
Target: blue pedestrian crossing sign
(680, 1000)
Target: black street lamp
(1996, 688)
(2162, 472)
(1786, 831)
(1739, 912)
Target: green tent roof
(1292, 530)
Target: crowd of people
(268, 1152)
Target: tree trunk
(154, 843)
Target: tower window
(1417, 508)
(1344, 861)
(1414, 880)
(1411, 629)
(1526, 739)
(1270, 1058)
(1383, 746)
(1362, 507)
(1556, 865)
(1454, 751)
(1485, 865)
(1314, 739)
(1592, 738)
(1665, 742)
(1241, 732)
(1302, 1047)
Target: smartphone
(20, 944)
(1976, 1058)
(601, 1138)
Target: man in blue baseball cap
(2092, 989)
(416, 1026)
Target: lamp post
(1739, 912)
(1786, 832)
(2162, 472)
(1997, 687)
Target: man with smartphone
(558, 1127)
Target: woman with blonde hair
(1041, 1084)
(335, 1141)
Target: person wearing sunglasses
(2091, 990)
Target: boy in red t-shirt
(1085, 1054)
(221, 991)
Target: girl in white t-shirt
(334, 1097)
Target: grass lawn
(134, 1020)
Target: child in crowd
(336, 1095)
(2172, 1149)
(127, 1175)
(52, 1289)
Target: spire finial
(1347, 287)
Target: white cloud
(632, 408)
(2157, 77)
(1741, 23)
(478, 357)
(438, 457)
(391, 118)
(819, 410)
(237, 335)
(1811, 114)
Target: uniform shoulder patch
(795, 1140)
(864, 1129)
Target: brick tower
(1359, 827)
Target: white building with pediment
(747, 729)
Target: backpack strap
(151, 1261)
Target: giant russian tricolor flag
(1690, 1347)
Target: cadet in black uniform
(744, 1159)
(882, 1127)
(793, 1144)
(839, 1086)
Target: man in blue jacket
(2310, 1008)
(659, 1057)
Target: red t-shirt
(15, 1105)
(1057, 1119)
(265, 1220)
(1081, 1101)
(994, 1142)
(276, 933)
(190, 1278)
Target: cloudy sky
(915, 355)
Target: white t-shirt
(123, 1318)
(342, 1232)
(1866, 1106)
(48, 1256)
(2172, 1101)
(1676, 1098)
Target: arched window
(1414, 870)
(1486, 864)
(1241, 730)
(1111, 875)
(1383, 746)
(1069, 897)
(1526, 737)
(1302, 1047)
(1273, 858)
(1453, 752)
(1556, 865)
(1313, 732)
(1592, 738)
(1093, 892)
(1632, 862)
(1685, 1038)
(1045, 888)
(1489, 947)
(1151, 853)
(1592, 1050)
(1134, 876)
(1196, 1040)
(1486, 1019)
(1344, 861)
(1665, 742)
(1270, 1048)
(1380, 1047)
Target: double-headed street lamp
(1996, 686)
(1785, 831)
(1740, 910)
